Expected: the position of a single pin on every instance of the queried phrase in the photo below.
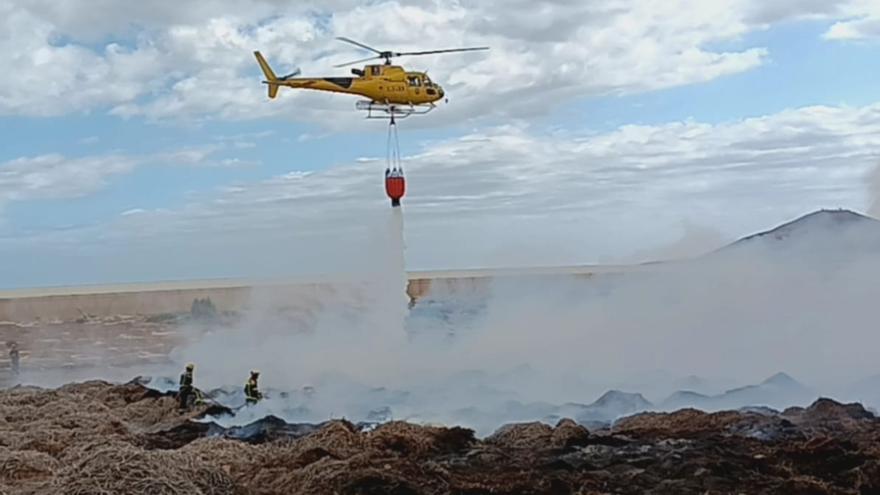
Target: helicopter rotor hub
(388, 54)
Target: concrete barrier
(70, 303)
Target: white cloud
(204, 156)
(517, 77)
(510, 196)
(856, 29)
(194, 61)
(862, 22)
(48, 76)
(57, 177)
(768, 13)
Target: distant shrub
(203, 308)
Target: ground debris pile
(124, 468)
(96, 437)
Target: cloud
(768, 13)
(172, 61)
(48, 76)
(857, 29)
(512, 195)
(861, 22)
(206, 155)
(54, 176)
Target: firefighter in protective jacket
(251, 390)
(186, 392)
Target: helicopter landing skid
(388, 111)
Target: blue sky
(802, 70)
(625, 119)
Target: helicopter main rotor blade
(396, 54)
(357, 61)
(356, 43)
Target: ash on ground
(97, 437)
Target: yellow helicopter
(390, 89)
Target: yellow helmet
(190, 366)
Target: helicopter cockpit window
(428, 83)
(414, 81)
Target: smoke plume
(873, 186)
(801, 301)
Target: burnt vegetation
(96, 437)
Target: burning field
(96, 437)
(479, 395)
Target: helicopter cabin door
(415, 87)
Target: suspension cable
(393, 143)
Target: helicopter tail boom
(271, 79)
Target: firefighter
(186, 391)
(251, 392)
(14, 358)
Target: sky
(138, 143)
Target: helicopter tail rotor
(293, 74)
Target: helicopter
(391, 90)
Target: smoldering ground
(802, 301)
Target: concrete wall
(70, 303)
(73, 306)
(154, 301)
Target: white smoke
(873, 187)
(694, 240)
(805, 307)
(296, 335)
(484, 353)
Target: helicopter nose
(440, 92)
